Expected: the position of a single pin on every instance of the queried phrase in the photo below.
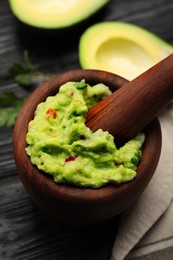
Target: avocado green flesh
(54, 14)
(60, 144)
(121, 48)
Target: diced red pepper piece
(71, 158)
(51, 113)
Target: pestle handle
(128, 110)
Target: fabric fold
(154, 201)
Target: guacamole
(60, 144)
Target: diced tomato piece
(51, 113)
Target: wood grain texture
(25, 232)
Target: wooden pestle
(129, 109)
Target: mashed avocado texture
(60, 144)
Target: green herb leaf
(81, 85)
(24, 79)
(10, 105)
(25, 73)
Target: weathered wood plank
(27, 233)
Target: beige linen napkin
(137, 223)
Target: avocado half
(54, 14)
(122, 48)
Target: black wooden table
(25, 232)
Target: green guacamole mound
(60, 144)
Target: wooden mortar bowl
(72, 205)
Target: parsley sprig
(10, 105)
(26, 75)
